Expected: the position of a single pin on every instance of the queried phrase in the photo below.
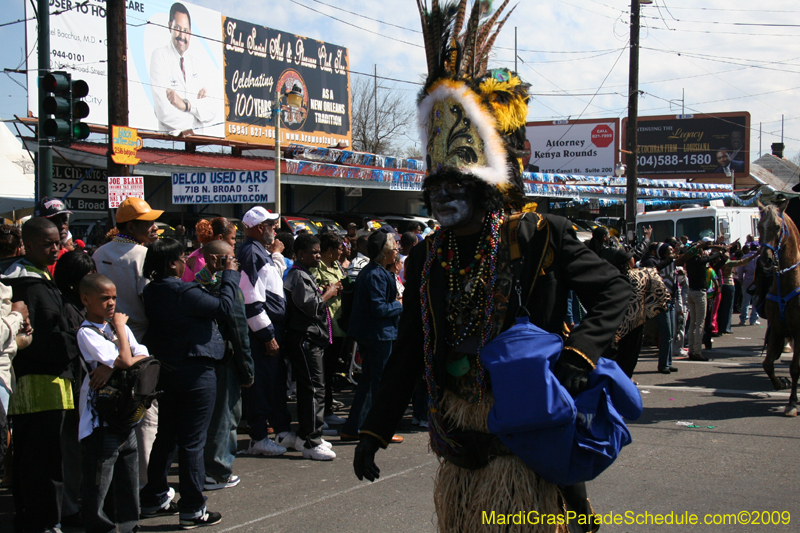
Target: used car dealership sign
(224, 187)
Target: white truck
(697, 222)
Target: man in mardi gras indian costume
(468, 281)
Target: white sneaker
(213, 484)
(423, 424)
(290, 441)
(265, 447)
(327, 444)
(334, 420)
(756, 323)
(319, 453)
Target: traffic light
(80, 109)
(64, 102)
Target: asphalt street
(713, 439)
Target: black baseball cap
(50, 207)
(377, 240)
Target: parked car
(359, 219)
(403, 222)
(91, 231)
(293, 224)
(323, 222)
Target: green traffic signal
(65, 104)
(80, 130)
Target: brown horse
(780, 256)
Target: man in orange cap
(122, 261)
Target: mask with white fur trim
(471, 120)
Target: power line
(16, 22)
(355, 26)
(592, 98)
(366, 17)
(711, 115)
(726, 61)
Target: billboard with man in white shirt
(178, 61)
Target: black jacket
(568, 265)
(306, 311)
(54, 346)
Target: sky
(698, 56)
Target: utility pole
(117, 76)
(117, 56)
(45, 155)
(277, 113)
(375, 101)
(633, 124)
(515, 49)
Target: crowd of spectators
(239, 331)
(236, 332)
(700, 287)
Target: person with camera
(183, 335)
(234, 373)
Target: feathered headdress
(470, 119)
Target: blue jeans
(666, 331)
(746, 299)
(267, 396)
(374, 355)
(222, 441)
(184, 413)
(110, 490)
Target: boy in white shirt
(109, 457)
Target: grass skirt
(464, 499)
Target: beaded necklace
(119, 237)
(319, 291)
(205, 277)
(486, 279)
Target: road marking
(733, 392)
(328, 497)
(720, 363)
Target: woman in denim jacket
(184, 336)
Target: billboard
(260, 62)
(175, 77)
(191, 69)
(586, 147)
(693, 146)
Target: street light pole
(277, 112)
(633, 122)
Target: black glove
(364, 459)
(572, 371)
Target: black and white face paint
(451, 204)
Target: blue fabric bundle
(564, 441)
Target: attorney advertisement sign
(191, 69)
(261, 62)
(586, 147)
(218, 186)
(175, 77)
